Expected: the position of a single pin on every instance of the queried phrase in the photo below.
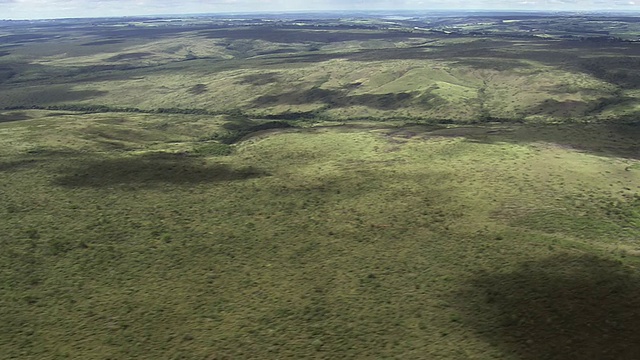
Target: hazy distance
(49, 9)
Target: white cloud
(94, 8)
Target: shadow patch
(618, 140)
(336, 99)
(56, 94)
(25, 38)
(622, 70)
(129, 56)
(198, 89)
(496, 64)
(16, 165)
(564, 307)
(560, 108)
(6, 73)
(18, 116)
(103, 42)
(259, 79)
(151, 170)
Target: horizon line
(331, 11)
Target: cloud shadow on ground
(563, 307)
(151, 170)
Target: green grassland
(351, 189)
(135, 236)
(332, 73)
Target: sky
(47, 9)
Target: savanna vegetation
(453, 187)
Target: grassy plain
(226, 192)
(121, 238)
(334, 73)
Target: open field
(129, 236)
(330, 70)
(429, 188)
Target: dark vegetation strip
(284, 117)
(315, 115)
(93, 109)
(107, 109)
(233, 136)
(237, 129)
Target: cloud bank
(31, 9)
